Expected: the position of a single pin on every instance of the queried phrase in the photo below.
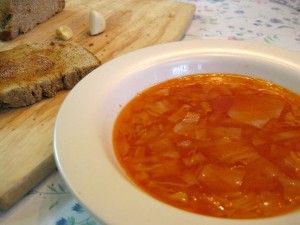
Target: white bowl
(83, 130)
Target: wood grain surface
(26, 151)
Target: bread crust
(20, 16)
(32, 72)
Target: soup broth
(220, 145)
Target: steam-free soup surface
(220, 145)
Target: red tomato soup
(219, 145)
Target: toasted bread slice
(31, 72)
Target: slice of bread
(19, 16)
(31, 72)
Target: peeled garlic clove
(97, 23)
(64, 32)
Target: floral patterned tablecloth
(262, 21)
(273, 22)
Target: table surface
(270, 22)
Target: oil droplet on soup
(219, 145)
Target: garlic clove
(64, 32)
(97, 23)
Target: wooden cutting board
(26, 154)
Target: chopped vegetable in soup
(219, 145)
